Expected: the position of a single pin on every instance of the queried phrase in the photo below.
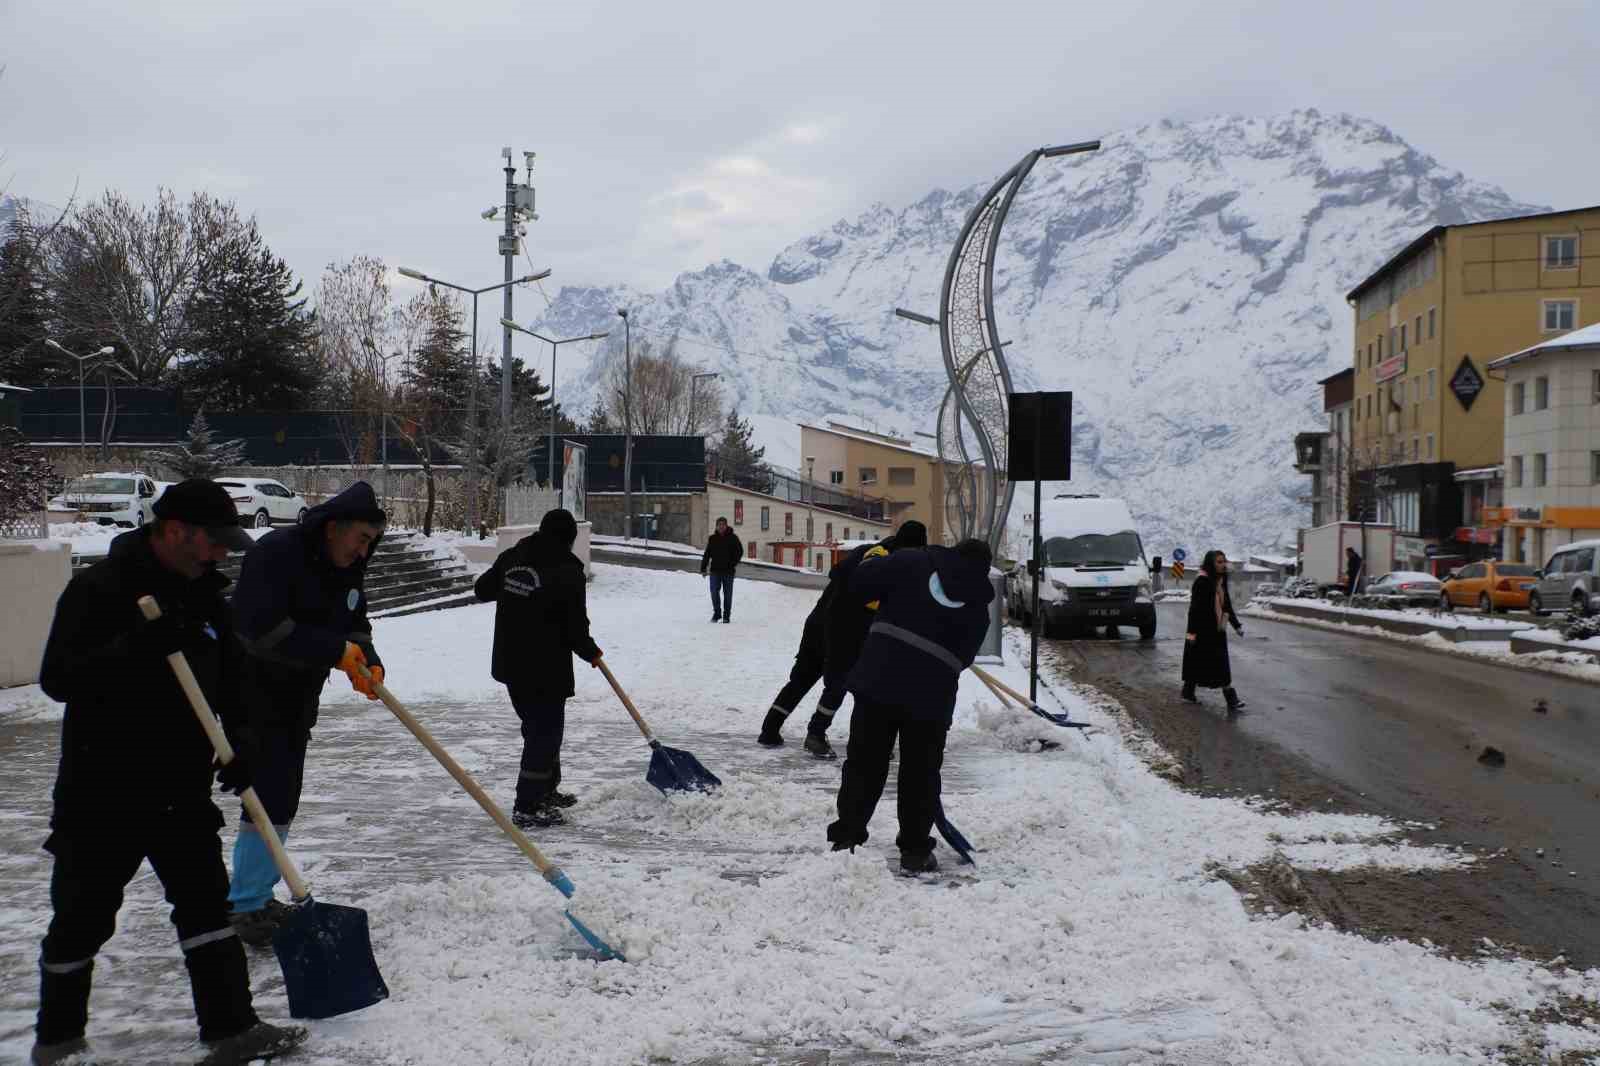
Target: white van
(1094, 570)
(113, 498)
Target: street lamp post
(472, 394)
(627, 423)
(83, 433)
(550, 474)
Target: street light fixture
(472, 395)
(550, 474)
(83, 435)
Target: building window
(1540, 471)
(1541, 393)
(846, 532)
(1432, 313)
(1416, 449)
(868, 475)
(1398, 392)
(902, 475)
(788, 523)
(1430, 384)
(1516, 471)
(836, 477)
(749, 549)
(738, 512)
(766, 518)
(1369, 354)
(1560, 253)
(1380, 347)
(1416, 332)
(1594, 468)
(1403, 344)
(811, 527)
(1430, 447)
(827, 533)
(1559, 315)
(1594, 386)
(1519, 396)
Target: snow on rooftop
(1587, 337)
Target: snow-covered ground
(92, 538)
(1095, 930)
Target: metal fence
(791, 487)
(30, 525)
(525, 505)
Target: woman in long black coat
(1205, 648)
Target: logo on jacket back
(936, 590)
(522, 581)
(351, 599)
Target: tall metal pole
(551, 476)
(83, 432)
(508, 247)
(627, 423)
(811, 473)
(472, 428)
(1038, 564)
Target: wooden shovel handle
(994, 682)
(224, 750)
(463, 778)
(638, 719)
(990, 683)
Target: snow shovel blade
(563, 885)
(672, 770)
(326, 955)
(952, 836)
(1063, 720)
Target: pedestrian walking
(136, 769)
(1205, 648)
(300, 612)
(721, 559)
(932, 616)
(1352, 572)
(830, 643)
(541, 621)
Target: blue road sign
(1179, 554)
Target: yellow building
(1427, 324)
(911, 476)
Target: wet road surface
(1345, 722)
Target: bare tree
(355, 347)
(665, 399)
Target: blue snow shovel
(1001, 690)
(671, 770)
(550, 870)
(325, 951)
(953, 837)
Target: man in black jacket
(830, 643)
(540, 623)
(930, 624)
(300, 611)
(136, 769)
(721, 558)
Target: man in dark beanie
(540, 622)
(831, 642)
(933, 614)
(300, 612)
(136, 770)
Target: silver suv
(1570, 579)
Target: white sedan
(263, 502)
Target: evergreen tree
(599, 420)
(251, 337)
(25, 316)
(434, 386)
(201, 455)
(737, 460)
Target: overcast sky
(670, 135)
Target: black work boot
(563, 799)
(1235, 704)
(219, 981)
(918, 862)
(260, 1041)
(541, 815)
(63, 1012)
(61, 1051)
(769, 736)
(1188, 695)
(818, 745)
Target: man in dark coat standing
(136, 770)
(300, 612)
(1352, 571)
(830, 643)
(721, 558)
(540, 622)
(933, 614)
(1205, 648)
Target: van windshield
(1094, 549)
(100, 486)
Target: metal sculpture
(978, 492)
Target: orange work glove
(353, 664)
(877, 551)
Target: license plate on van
(1102, 611)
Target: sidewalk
(1095, 931)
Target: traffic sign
(1179, 554)
(1177, 570)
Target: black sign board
(1466, 383)
(1040, 429)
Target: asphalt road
(1395, 730)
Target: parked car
(1490, 586)
(1571, 579)
(1406, 586)
(112, 498)
(262, 501)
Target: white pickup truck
(112, 498)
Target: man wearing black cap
(830, 643)
(540, 623)
(136, 769)
(300, 611)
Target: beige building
(908, 474)
(789, 531)
(1427, 324)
